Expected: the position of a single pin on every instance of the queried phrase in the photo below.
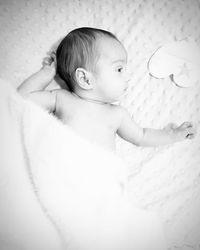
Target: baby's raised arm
(39, 80)
(33, 87)
(131, 132)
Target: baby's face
(111, 78)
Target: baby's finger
(190, 136)
(53, 55)
(191, 132)
(47, 61)
(186, 125)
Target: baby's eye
(119, 69)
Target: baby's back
(96, 122)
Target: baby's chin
(119, 98)
(114, 99)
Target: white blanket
(23, 224)
(80, 186)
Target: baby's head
(81, 54)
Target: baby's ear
(83, 79)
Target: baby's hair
(76, 50)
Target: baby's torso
(97, 123)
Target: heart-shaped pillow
(180, 60)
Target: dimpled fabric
(165, 179)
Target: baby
(92, 62)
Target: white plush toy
(180, 60)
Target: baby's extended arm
(131, 132)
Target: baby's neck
(93, 100)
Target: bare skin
(95, 122)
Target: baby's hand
(185, 131)
(49, 67)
